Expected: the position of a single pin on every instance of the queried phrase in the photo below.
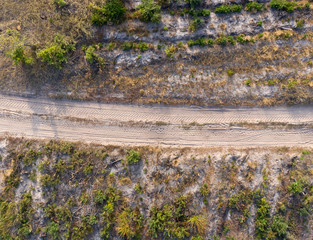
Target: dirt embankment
(270, 64)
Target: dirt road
(156, 125)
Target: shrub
(92, 57)
(204, 190)
(171, 50)
(279, 226)
(283, 5)
(254, 6)
(198, 223)
(53, 230)
(231, 40)
(142, 46)
(300, 23)
(159, 220)
(210, 41)
(132, 156)
(55, 53)
(241, 39)
(129, 224)
(112, 12)
(296, 187)
(222, 40)
(19, 55)
(259, 23)
(60, 3)
(224, 9)
(195, 24)
(149, 11)
(127, 45)
(138, 188)
(99, 197)
(31, 156)
(200, 41)
(230, 72)
(12, 181)
(248, 82)
(262, 218)
(194, 3)
(199, 13)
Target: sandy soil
(152, 125)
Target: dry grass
(40, 20)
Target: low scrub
(230, 8)
(149, 11)
(55, 53)
(112, 12)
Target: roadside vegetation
(77, 191)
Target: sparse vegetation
(177, 217)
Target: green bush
(195, 24)
(222, 40)
(300, 23)
(280, 226)
(149, 11)
(112, 12)
(283, 5)
(210, 41)
(129, 224)
(296, 187)
(241, 39)
(199, 13)
(55, 53)
(200, 42)
(254, 6)
(204, 190)
(60, 3)
(224, 9)
(91, 55)
(142, 46)
(231, 40)
(262, 219)
(171, 50)
(230, 72)
(194, 3)
(132, 156)
(18, 55)
(127, 45)
(53, 230)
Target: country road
(153, 125)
